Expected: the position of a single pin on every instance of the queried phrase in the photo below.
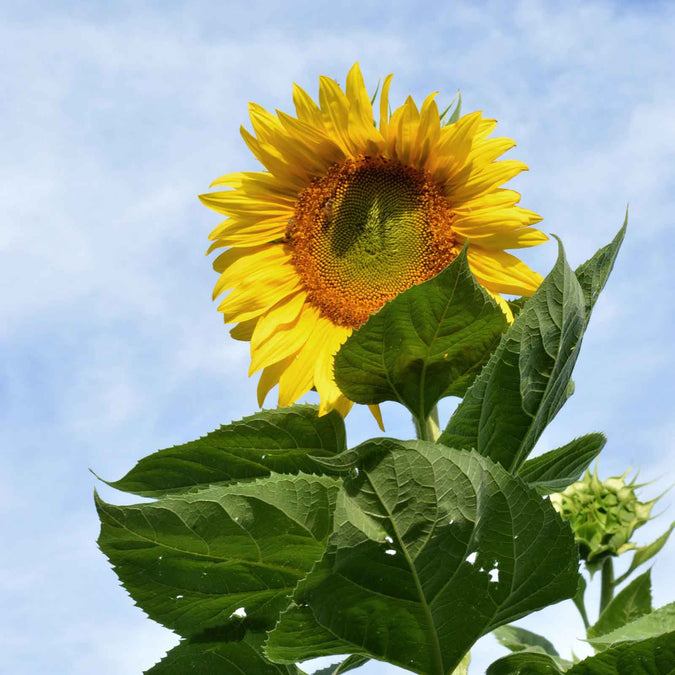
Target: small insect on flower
(349, 214)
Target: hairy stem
(429, 429)
(607, 583)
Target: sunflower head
(349, 213)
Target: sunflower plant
(368, 262)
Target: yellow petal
(502, 272)
(269, 378)
(335, 112)
(240, 264)
(254, 295)
(225, 259)
(324, 378)
(522, 237)
(357, 93)
(298, 378)
(429, 130)
(377, 414)
(285, 341)
(238, 203)
(305, 108)
(384, 106)
(244, 331)
(489, 177)
(403, 131)
(456, 139)
(283, 312)
(250, 231)
(484, 152)
(274, 162)
(342, 404)
(503, 305)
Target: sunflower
(347, 215)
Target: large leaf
(278, 441)
(298, 636)
(555, 470)
(658, 622)
(655, 656)
(235, 654)
(427, 343)
(432, 548)
(528, 377)
(518, 639)
(202, 559)
(631, 603)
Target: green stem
(607, 583)
(430, 429)
(581, 606)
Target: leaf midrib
(418, 585)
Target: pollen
(364, 232)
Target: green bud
(603, 515)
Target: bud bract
(603, 515)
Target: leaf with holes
(432, 548)
(199, 560)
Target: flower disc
(366, 231)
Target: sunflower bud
(603, 515)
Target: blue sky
(115, 116)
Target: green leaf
(527, 379)
(517, 639)
(555, 470)
(578, 600)
(454, 115)
(350, 663)
(241, 655)
(592, 275)
(645, 553)
(658, 622)
(525, 663)
(298, 637)
(631, 603)
(200, 560)
(427, 343)
(654, 656)
(278, 441)
(463, 667)
(432, 548)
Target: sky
(114, 116)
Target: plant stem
(580, 605)
(607, 583)
(429, 430)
